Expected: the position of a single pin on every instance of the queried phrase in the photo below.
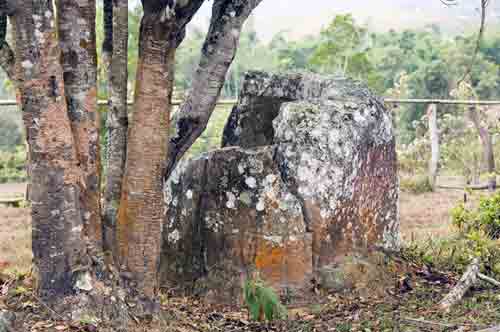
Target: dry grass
(15, 239)
(428, 214)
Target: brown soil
(15, 239)
(428, 214)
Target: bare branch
(218, 52)
(465, 283)
(488, 279)
(484, 5)
(449, 2)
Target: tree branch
(488, 279)
(468, 279)
(484, 5)
(218, 52)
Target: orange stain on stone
(269, 257)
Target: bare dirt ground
(12, 189)
(15, 239)
(428, 214)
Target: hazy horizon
(300, 20)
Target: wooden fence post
(434, 137)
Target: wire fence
(210, 139)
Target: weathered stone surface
(311, 181)
(228, 213)
(339, 160)
(7, 318)
(262, 94)
(367, 275)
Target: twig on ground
(491, 329)
(425, 324)
(488, 279)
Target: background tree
(115, 46)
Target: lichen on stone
(308, 166)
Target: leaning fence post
(434, 136)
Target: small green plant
(262, 301)
(344, 327)
(89, 320)
(485, 218)
(478, 236)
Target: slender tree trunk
(141, 206)
(76, 31)
(435, 150)
(58, 248)
(107, 43)
(141, 209)
(218, 52)
(117, 121)
(488, 152)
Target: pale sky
(301, 17)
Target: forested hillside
(424, 62)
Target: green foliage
(342, 47)
(262, 302)
(413, 158)
(461, 149)
(211, 137)
(455, 253)
(477, 237)
(12, 165)
(485, 219)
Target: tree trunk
(141, 209)
(488, 152)
(117, 121)
(141, 206)
(218, 52)
(58, 248)
(76, 31)
(434, 136)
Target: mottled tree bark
(58, 248)
(107, 43)
(76, 32)
(488, 152)
(218, 52)
(117, 120)
(141, 209)
(6, 54)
